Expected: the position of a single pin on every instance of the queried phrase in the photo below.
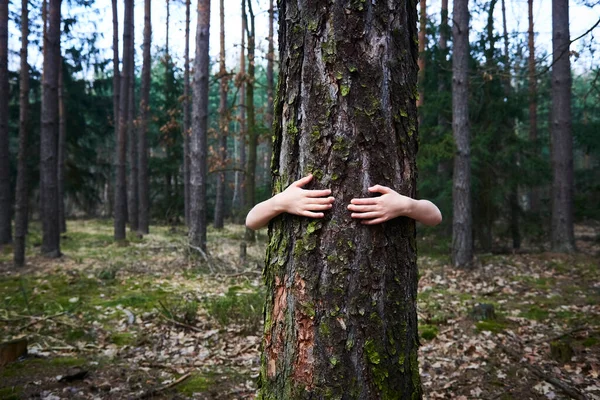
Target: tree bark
(121, 184)
(340, 316)
(198, 140)
(133, 182)
(143, 191)
(563, 239)
(223, 125)
(462, 237)
(22, 190)
(5, 187)
(252, 137)
(49, 135)
(62, 147)
(186, 115)
(532, 81)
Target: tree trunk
(22, 190)
(462, 237)
(121, 185)
(49, 136)
(444, 167)
(532, 81)
(198, 140)
(62, 148)
(186, 115)
(240, 177)
(422, 40)
(223, 125)
(5, 187)
(116, 72)
(563, 239)
(340, 317)
(144, 207)
(133, 183)
(252, 139)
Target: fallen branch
(39, 319)
(566, 388)
(181, 324)
(203, 254)
(557, 337)
(152, 392)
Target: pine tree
(5, 186)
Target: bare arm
(293, 200)
(375, 210)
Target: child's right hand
(307, 203)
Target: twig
(161, 366)
(203, 254)
(181, 324)
(157, 390)
(40, 319)
(569, 390)
(553, 338)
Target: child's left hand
(375, 210)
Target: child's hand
(375, 210)
(298, 201)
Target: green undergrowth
(240, 305)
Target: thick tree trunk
(252, 137)
(462, 237)
(133, 182)
(198, 140)
(186, 115)
(62, 147)
(144, 207)
(563, 239)
(49, 136)
(340, 318)
(223, 125)
(532, 81)
(121, 185)
(22, 190)
(5, 187)
(240, 177)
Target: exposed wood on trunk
(198, 140)
(462, 239)
(22, 190)
(340, 318)
(49, 136)
(563, 239)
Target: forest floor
(108, 321)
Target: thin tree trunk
(62, 148)
(532, 81)
(223, 125)
(252, 137)
(444, 167)
(121, 185)
(5, 187)
(116, 98)
(462, 237)
(144, 208)
(22, 190)
(563, 239)
(198, 140)
(133, 182)
(422, 40)
(270, 87)
(49, 136)
(186, 115)
(240, 177)
(340, 315)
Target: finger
(303, 181)
(366, 215)
(318, 207)
(311, 214)
(373, 221)
(318, 193)
(319, 200)
(362, 209)
(364, 200)
(380, 189)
